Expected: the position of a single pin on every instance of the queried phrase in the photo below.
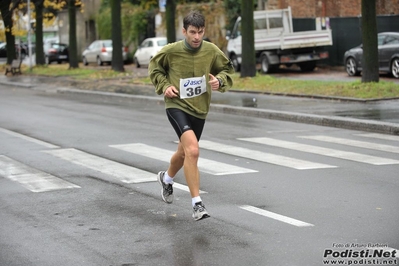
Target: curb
(330, 121)
(16, 84)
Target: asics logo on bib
(192, 87)
(192, 82)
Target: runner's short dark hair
(195, 19)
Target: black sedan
(56, 52)
(388, 55)
(20, 50)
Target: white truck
(277, 44)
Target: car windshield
(162, 42)
(56, 45)
(381, 39)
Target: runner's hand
(171, 92)
(213, 82)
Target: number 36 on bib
(192, 87)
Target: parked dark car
(388, 55)
(56, 52)
(20, 50)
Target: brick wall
(332, 8)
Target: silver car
(100, 52)
(388, 55)
(148, 49)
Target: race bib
(192, 87)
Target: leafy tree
(233, 11)
(370, 42)
(117, 57)
(248, 64)
(6, 14)
(73, 45)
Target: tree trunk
(39, 32)
(73, 47)
(170, 21)
(248, 64)
(370, 42)
(117, 56)
(6, 14)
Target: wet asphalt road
(281, 202)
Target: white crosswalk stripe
(262, 156)
(31, 178)
(363, 158)
(379, 136)
(118, 171)
(122, 172)
(204, 165)
(355, 143)
(39, 181)
(33, 140)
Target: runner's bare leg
(187, 155)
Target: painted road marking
(323, 151)
(204, 165)
(185, 188)
(122, 172)
(355, 143)
(262, 156)
(33, 140)
(379, 136)
(31, 178)
(275, 216)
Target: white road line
(31, 178)
(379, 136)
(275, 216)
(355, 143)
(204, 165)
(262, 156)
(185, 188)
(323, 151)
(122, 172)
(36, 141)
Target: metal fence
(346, 33)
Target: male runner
(186, 72)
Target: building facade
(85, 24)
(331, 8)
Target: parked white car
(148, 49)
(100, 52)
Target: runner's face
(194, 35)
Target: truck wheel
(307, 66)
(265, 66)
(234, 60)
(395, 68)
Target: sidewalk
(377, 116)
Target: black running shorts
(182, 122)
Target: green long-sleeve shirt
(179, 61)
